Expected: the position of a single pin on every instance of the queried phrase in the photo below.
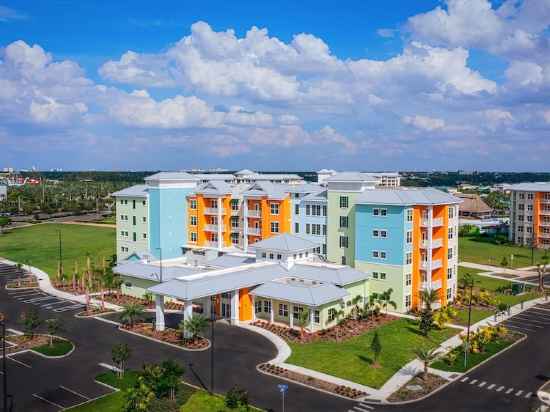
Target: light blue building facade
(309, 215)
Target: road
(504, 384)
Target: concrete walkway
(495, 269)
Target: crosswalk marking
(472, 382)
(491, 386)
(366, 405)
(509, 390)
(359, 408)
(528, 395)
(501, 388)
(465, 379)
(519, 392)
(482, 384)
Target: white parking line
(528, 319)
(540, 308)
(361, 409)
(519, 392)
(47, 401)
(464, 379)
(521, 323)
(19, 362)
(473, 381)
(366, 405)
(74, 392)
(509, 326)
(528, 395)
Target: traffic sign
(282, 387)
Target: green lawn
(39, 245)
(60, 347)
(477, 315)
(351, 359)
(471, 250)
(473, 358)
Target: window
(375, 233)
(408, 258)
(449, 273)
(271, 256)
(258, 306)
(530, 208)
(409, 237)
(324, 249)
(530, 196)
(283, 310)
(375, 253)
(449, 294)
(263, 255)
(133, 204)
(382, 255)
(529, 218)
(407, 301)
(379, 212)
(144, 219)
(316, 317)
(344, 241)
(450, 234)
(409, 215)
(134, 236)
(451, 212)
(343, 260)
(308, 228)
(274, 227)
(267, 306)
(274, 208)
(344, 202)
(193, 236)
(308, 210)
(193, 204)
(134, 220)
(375, 275)
(324, 210)
(144, 235)
(279, 257)
(296, 228)
(316, 229)
(343, 222)
(296, 311)
(331, 314)
(144, 203)
(193, 220)
(383, 212)
(408, 279)
(450, 253)
(296, 209)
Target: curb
(79, 316)
(166, 343)
(41, 354)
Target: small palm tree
(194, 326)
(131, 314)
(385, 297)
(303, 319)
(426, 356)
(339, 316)
(429, 297)
(356, 309)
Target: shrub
(236, 398)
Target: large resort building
(247, 248)
(530, 214)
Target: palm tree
(303, 319)
(541, 270)
(131, 313)
(385, 297)
(355, 302)
(194, 326)
(426, 356)
(429, 297)
(338, 315)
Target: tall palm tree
(541, 270)
(385, 297)
(303, 319)
(131, 314)
(429, 297)
(426, 356)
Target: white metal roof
(285, 242)
(132, 191)
(305, 293)
(530, 187)
(407, 197)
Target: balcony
(235, 212)
(235, 229)
(436, 243)
(211, 243)
(434, 285)
(437, 222)
(545, 212)
(255, 213)
(544, 235)
(213, 228)
(213, 211)
(255, 231)
(436, 264)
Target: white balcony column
(159, 313)
(245, 225)
(272, 313)
(291, 315)
(206, 308)
(430, 245)
(235, 307)
(311, 318)
(187, 314)
(220, 223)
(253, 308)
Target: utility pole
(467, 346)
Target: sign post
(283, 388)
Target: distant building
(530, 214)
(3, 192)
(474, 207)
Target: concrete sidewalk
(496, 269)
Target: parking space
(535, 280)
(43, 300)
(531, 321)
(61, 397)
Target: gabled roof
(180, 176)
(320, 196)
(531, 187)
(285, 242)
(132, 191)
(229, 261)
(245, 172)
(152, 272)
(336, 274)
(266, 188)
(215, 187)
(304, 293)
(407, 197)
(473, 203)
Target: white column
(245, 225)
(291, 315)
(235, 307)
(311, 318)
(187, 314)
(206, 305)
(272, 313)
(253, 308)
(220, 223)
(429, 251)
(159, 313)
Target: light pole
(212, 343)
(470, 283)
(4, 369)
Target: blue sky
(395, 85)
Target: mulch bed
(24, 342)
(347, 329)
(314, 382)
(23, 283)
(121, 300)
(428, 385)
(93, 311)
(168, 335)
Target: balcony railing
(544, 235)
(436, 222)
(235, 212)
(254, 213)
(213, 211)
(213, 228)
(436, 264)
(434, 285)
(235, 229)
(545, 212)
(435, 243)
(256, 231)
(209, 243)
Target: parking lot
(45, 301)
(531, 321)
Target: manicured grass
(482, 282)
(477, 315)
(473, 358)
(474, 251)
(60, 347)
(352, 359)
(202, 401)
(113, 402)
(39, 245)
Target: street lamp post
(4, 369)
(467, 345)
(60, 255)
(212, 343)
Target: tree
(541, 270)
(139, 397)
(54, 327)
(385, 298)
(172, 373)
(236, 398)
(120, 355)
(194, 326)
(356, 309)
(504, 261)
(426, 356)
(131, 313)
(339, 316)
(31, 321)
(429, 297)
(303, 319)
(376, 347)
(426, 321)
(4, 221)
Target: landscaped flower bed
(417, 387)
(23, 283)
(38, 343)
(121, 300)
(345, 330)
(168, 335)
(310, 381)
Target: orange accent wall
(417, 239)
(536, 218)
(445, 254)
(440, 253)
(266, 214)
(245, 305)
(201, 221)
(226, 204)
